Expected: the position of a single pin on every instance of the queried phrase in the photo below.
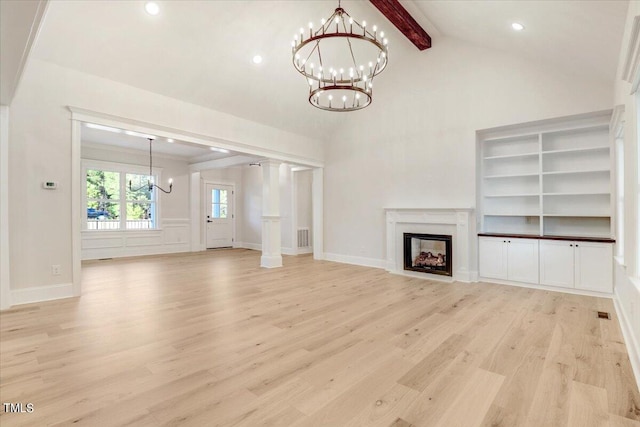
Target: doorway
(219, 215)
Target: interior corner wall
(303, 198)
(40, 149)
(415, 145)
(286, 209)
(252, 211)
(5, 296)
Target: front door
(219, 215)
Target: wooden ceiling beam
(404, 22)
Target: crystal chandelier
(340, 60)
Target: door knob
(209, 220)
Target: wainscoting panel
(627, 303)
(174, 236)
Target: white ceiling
(187, 151)
(201, 51)
(579, 36)
(19, 23)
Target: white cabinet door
(594, 266)
(522, 260)
(492, 257)
(556, 263)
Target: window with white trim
(117, 197)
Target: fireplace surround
(455, 222)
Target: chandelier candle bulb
(352, 87)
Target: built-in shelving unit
(548, 178)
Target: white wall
(286, 209)
(40, 136)
(5, 298)
(303, 197)
(415, 145)
(627, 273)
(252, 206)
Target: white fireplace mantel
(448, 221)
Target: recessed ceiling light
(169, 140)
(517, 26)
(219, 150)
(101, 127)
(257, 59)
(152, 8)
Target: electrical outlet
(55, 270)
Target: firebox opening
(428, 253)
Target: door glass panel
(219, 203)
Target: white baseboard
(135, 251)
(633, 346)
(356, 260)
(245, 245)
(270, 261)
(547, 288)
(288, 251)
(41, 293)
(285, 251)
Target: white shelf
(577, 194)
(574, 150)
(576, 172)
(578, 215)
(511, 156)
(515, 175)
(552, 176)
(511, 214)
(510, 138)
(512, 195)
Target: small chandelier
(340, 60)
(150, 185)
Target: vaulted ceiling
(201, 51)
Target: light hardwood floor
(211, 339)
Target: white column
(76, 208)
(317, 194)
(462, 248)
(195, 210)
(271, 229)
